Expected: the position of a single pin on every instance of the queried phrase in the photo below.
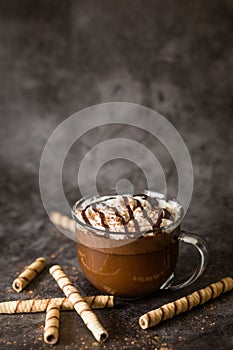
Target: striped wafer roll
(51, 329)
(100, 301)
(199, 297)
(83, 309)
(28, 274)
(40, 305)
(62, 221)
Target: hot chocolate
(126, 243)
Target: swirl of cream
(127, 213)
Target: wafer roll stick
(100, 301)
(82, 308)
(199, 297)
(28, 274)
(40, 305)
(62, 221)
(51, 329)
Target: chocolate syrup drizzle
(143, 211)
(159, 220)
(124, 223)
(163, 213)
(131, 216)
(102, 217)
(84, 216)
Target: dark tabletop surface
(57, 57)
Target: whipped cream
(128, 213)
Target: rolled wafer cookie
(40, 305)
(186, 303)
(83, 309)
(62, 221)
(28, 274)
(51, 329)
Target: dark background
(57, 57)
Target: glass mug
(134, 264)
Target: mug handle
(201, 245)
